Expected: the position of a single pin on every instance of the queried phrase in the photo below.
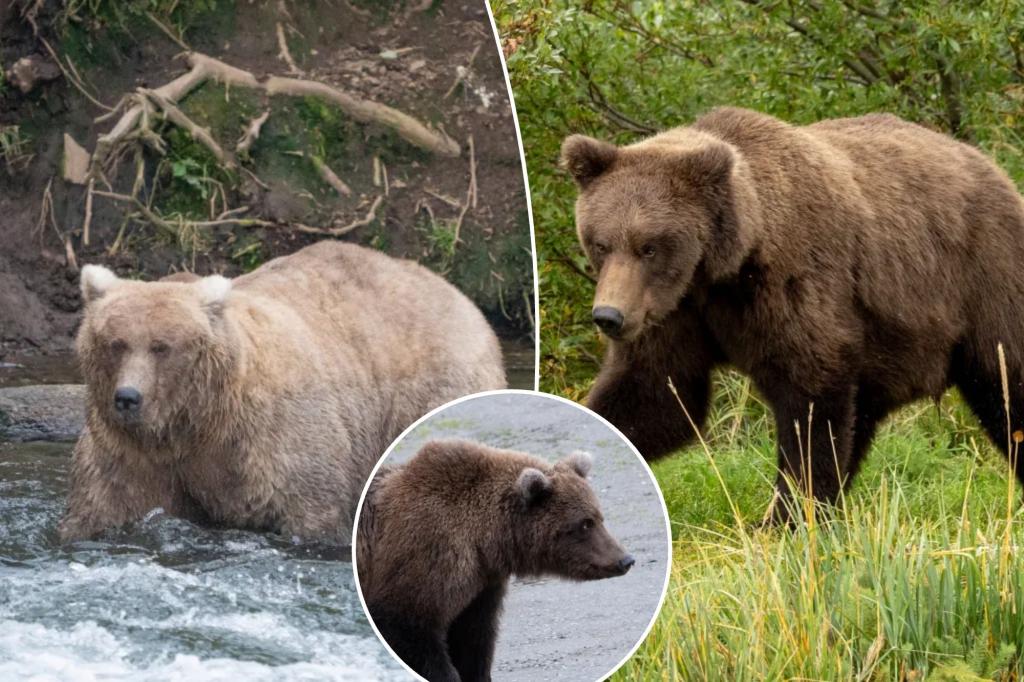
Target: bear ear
(213, 291)
(586, 158)
(709, 166)
(533, 485)
(580, 462)
(96, 281)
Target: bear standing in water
(440, 536)
(852, 265)
(264, 402)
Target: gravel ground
(554, 629)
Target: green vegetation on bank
(917, 576)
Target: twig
(329, 176)
(444, 197)
(88, 212)
(462, 71)
(145, 210)
(283, 52)
(470, 192)
(71, 78)
(168, 32)
(472, 171)
(252, 133)
(370, 216)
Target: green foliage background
(924, 585)
(619, 70)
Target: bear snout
(127, 401)
(608, 319)
(625, 563)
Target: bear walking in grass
(849, 267)
(440, 536)
(265, 401)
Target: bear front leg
(632, 389)
(815, 435)
(421, 647)
(473, 634)
(639, 402)
(107, 491)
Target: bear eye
(600, 249)
(118, 346)
(159, 348)
(586, 525)
(648, 251)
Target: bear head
(653, 216)
(148, 349)
(560, 527)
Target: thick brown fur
(853, 265)
(440, 536)
(266, 400)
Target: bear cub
(439, 537)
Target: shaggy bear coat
(440, 536)
(265, 401)
(849, 267)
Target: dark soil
(391, 53)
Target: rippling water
(166, 599)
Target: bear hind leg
(981, 386)
(473, 633)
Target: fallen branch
(366, 111)
(204, 68)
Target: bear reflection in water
(440, 536)
(263, 402)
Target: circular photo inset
(512, 535)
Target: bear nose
(127, 399)
(626, 562)
(608, 318)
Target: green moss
(225, 112)
(188, 177)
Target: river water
(167, 600)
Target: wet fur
(285, 395)
(854, 264)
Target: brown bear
(848, 267)
(264, 402)
(440, 536)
